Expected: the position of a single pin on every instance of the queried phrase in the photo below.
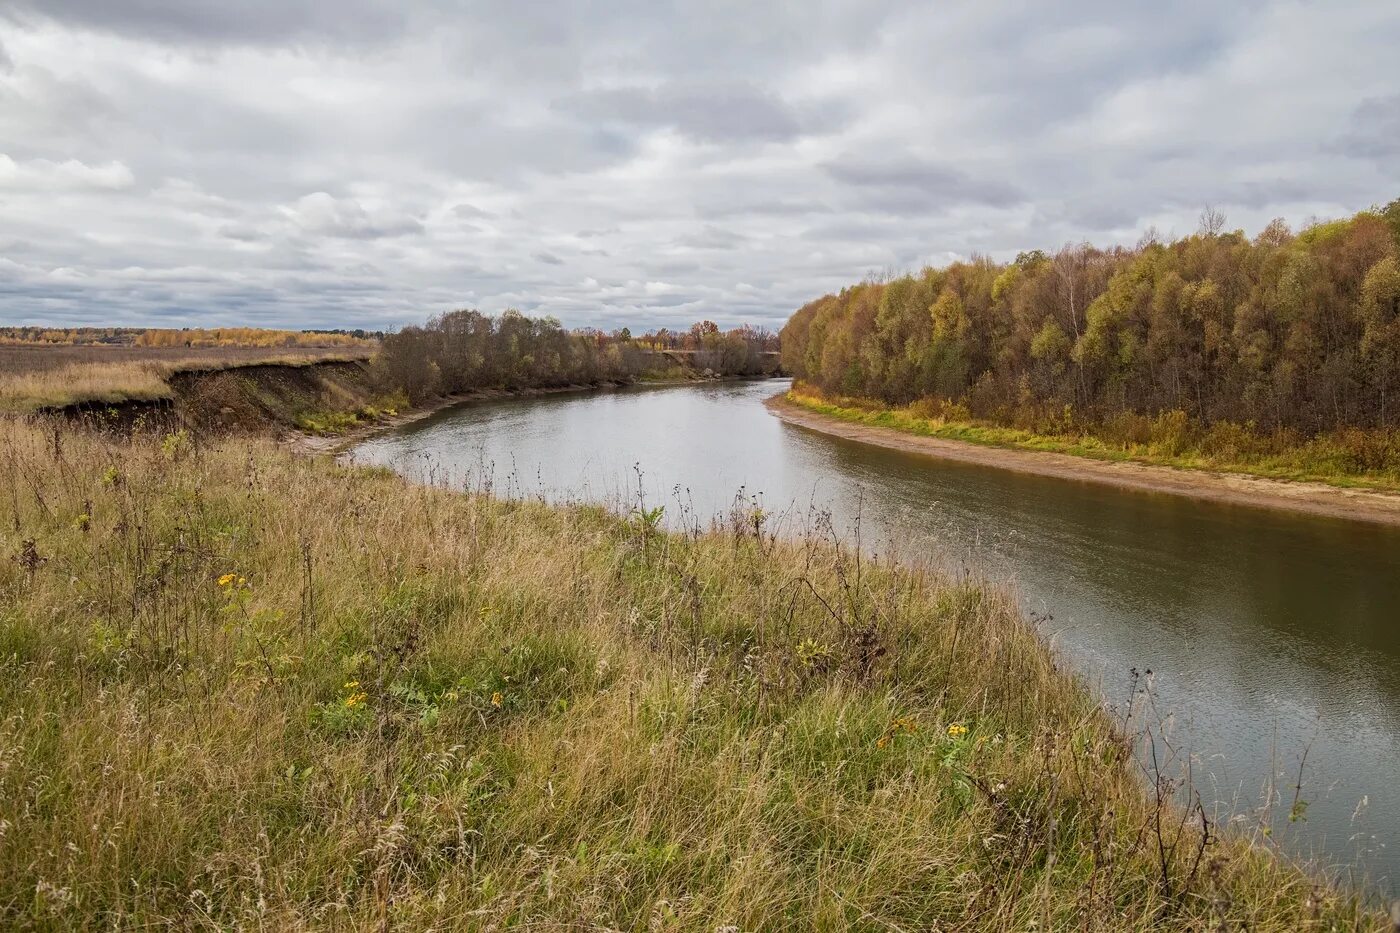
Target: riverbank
(320, 696)
(317, 405)
(339, 442)
(1352, 503)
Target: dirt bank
(241, 396)
(272, 396)
(339, 443)
(1315, 498)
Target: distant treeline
(463, 350)
(702, 336)
(186, 337)
(1285, 332)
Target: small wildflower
(957, 730)
(355, 699)
(227, 579)
(497, 699)
(901, 724)
(351, 684)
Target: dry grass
(240, 689)
(34, 377)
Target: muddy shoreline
(1238, 489)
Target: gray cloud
(907, 183)
(247, 233)
(712, 237)
(320, 213)
(219, 23)
(354, 163)
(718, 113)
(470, 210)
(1094, 215)
(46, 175)
(1375, 130)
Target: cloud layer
(351, 163)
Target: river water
(1269, 635)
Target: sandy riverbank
(1315, 498)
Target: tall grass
(73, 383)
(241, 689)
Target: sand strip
(1316, 498)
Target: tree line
(463, 350)
(1292, 332)
(702, 336)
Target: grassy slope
(1312, 462)
(35, 378)
(415, 707)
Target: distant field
(19, 358)
(213, 337)
(36, 376)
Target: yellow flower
(355, 699)
(351, 684)
(496, 699)
(242, 581)
(957, 730)
(450, 696)
(227, 578)
(882, 741)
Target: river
(1269, 635)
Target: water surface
(1267, 633)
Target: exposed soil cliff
(256, 397)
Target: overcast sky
(303, 163)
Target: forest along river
(1268, 633)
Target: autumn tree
(1288, 330)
